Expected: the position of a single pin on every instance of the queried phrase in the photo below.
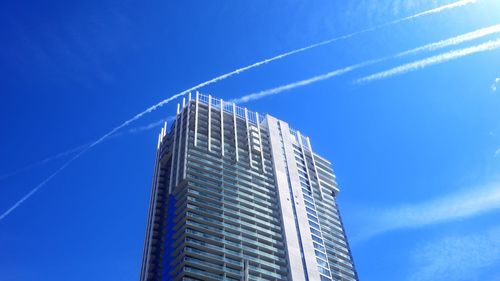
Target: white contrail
(455, 54)
(44, 161)
(227, 75)
(454, 40)
(429, 47)
(439, 9)
(151, 125)
(280, 56)
(44, 182)
(301, 83)
(80, 147)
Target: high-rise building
(241, 196)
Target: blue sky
(417, 154)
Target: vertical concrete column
(186, 136)
(176, 124)
(162, 134)
(196, 119)
(235, 132)
(159, 142)
(260, 142)
(209, 123)
(222, 126)
(179, 144)
(248, 138)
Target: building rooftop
(240, 112)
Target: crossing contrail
(428, 47)
(40, 185)
(224, 76)
(80, 147)
(444, 57)
(42, 162)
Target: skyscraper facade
(241, 196)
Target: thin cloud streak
(40, 185)
(429, 47)
(301, 83)
(439, 9)
(420, 64)
(457, 257)
(222, 77)
(312, 46)
(472, 202)
(454, 40)
(80, 147)
(44, 161)
(347, 36)
(453, 5)
(151, 125)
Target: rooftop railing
(253, 117)
(230, 107)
